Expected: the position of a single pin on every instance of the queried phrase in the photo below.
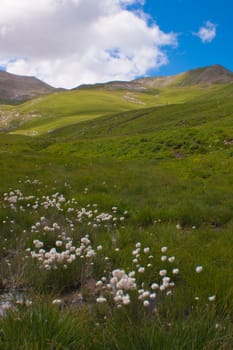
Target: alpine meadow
(116, 213)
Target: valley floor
(125, 207)
(116, 232)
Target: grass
(46, 113)
(48, 125)
(169, 168)
(68, 331)
(71, 107)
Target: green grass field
(43, 114)
(167, 166)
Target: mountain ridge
(15, 88)
(208, 75)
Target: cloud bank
(207, 33)
(71, 42)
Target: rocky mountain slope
(201, 76)
(15, 88)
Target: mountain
(208, 75)
(201, 76)
(67, 108)
(15, 88)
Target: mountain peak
(207, 75)
(214, 74)
(18, 88)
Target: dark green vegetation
(171, 167)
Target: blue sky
(71, 42)
(187, 16)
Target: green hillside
(54, 111)
(50, 112)
(148, 176)
(193, 126)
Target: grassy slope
(68, 108)
(193, 126)
(168, 163)
(71, 107)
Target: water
(10, 299)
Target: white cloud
(207, 33)
(71, 42)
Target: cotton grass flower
(152, 296)
(126, 299)
(154, 286)
(146, 303)
(162, 272)
(119, 286)
(59, 243)
(199, 269)
(141, 269)
(171, 259)
(146, 294)
(101, 300)
(146, 250)
(212, 298)
(38, 244)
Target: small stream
(9, 300)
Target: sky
(71, 42)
